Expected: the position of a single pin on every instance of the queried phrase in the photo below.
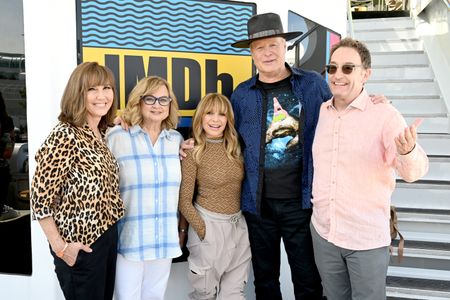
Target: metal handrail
(350, 19)
(298, 41)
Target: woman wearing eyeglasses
(150, 176)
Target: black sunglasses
(150, 100)
(346, 69)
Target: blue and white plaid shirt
(150, 177)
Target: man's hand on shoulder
(186, 145)
(376, 99)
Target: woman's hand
(182, 236)
(69, 256)
(119, 121)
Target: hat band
(265, 33)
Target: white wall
(50, 50)
(433, 26)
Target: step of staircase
(420, 222)
(411, 105)
(386, 34)
(432, 123)
(423, 194)
(434, 143)
(439, 168)
(405, 72)
(399, 58)
(401, 71)
(426, 236)
(382, 23)
(399, 288)
(416, 257)
(416, 273)
(413, 44)
(404, 87)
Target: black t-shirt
(283, 150)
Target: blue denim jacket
(247, 100)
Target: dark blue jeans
(283, 218)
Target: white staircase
(402, 72)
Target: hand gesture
(406, 140)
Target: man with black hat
(276, 114)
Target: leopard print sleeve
(53, 161)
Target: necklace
(214, 141)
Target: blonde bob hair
(146, 86)
(73, 101)
(214, 102)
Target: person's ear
(367, 73)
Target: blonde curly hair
(146, 86)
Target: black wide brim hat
(265, 26)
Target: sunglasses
(150, 100)
(346, 69)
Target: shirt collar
(360, 102)
(85, 127)
(137, 129)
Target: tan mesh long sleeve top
(218, 181)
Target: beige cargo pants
(219, 264)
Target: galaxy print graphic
(283, 148)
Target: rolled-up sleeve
(53, 161)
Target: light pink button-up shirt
(355, 165)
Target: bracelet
(410, 150)
(60, 254)
(182, 230)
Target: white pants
(141, 279)
(219, 265)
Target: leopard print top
(76, 182)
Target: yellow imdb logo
(192, 75)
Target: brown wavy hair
(73, 101)
(359, 46)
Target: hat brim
(287, 36)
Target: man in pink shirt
(358, 149)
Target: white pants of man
(145, 280)
(219, 264)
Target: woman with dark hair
(6, 149)
(75, 189)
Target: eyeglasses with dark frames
(346, 68)
(150, 100)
